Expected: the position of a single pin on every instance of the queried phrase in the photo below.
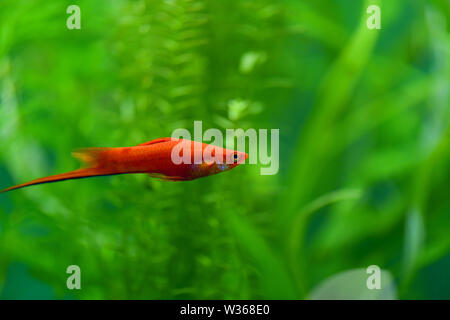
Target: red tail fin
(77, 174)
(90, 157)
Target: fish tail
(77, 174)
(93, 160)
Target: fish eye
(235, 157)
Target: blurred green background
(364, 147)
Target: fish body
(156, 158)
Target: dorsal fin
(159, 140)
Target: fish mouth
(242, 158)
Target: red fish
(154, 158)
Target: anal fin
(164, 177)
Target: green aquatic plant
(363, 119)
